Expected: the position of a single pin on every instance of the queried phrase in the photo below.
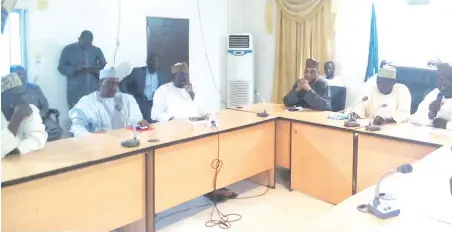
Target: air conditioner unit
(240, 70)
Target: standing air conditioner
(240, 70)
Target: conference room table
(92, 183)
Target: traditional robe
(335, 81)
(421, 115)
(142, 85)
(398, 104)
(93, 113)
(318, 98)
(31, 134)
(172, 102)
(80, 84)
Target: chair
(338, 96)
(419, 81)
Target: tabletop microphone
(380, 206)
(351, 122)
(134, 142)
(264, 113)
(371, 126)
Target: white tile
(278, 210)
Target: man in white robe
(106, 109)
(176, 99)
(436, 108)
(21, 123)
(387, 101)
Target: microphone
(264, 113)
(380, 206)
(371, 126)
(134, 142)
(351, 122)
(439, 98)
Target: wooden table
(331, 162)
(97, 185)
(91, 183)
(424, 197)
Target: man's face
(109, 87)
(12, 98)
(385, 85)
(153, 64)
(181, 80)
(85, 42)
(329, 69)
(310, 74)
(444, 84)
(20, 71)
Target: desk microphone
(371, 126)
(379, 206)
(134, 142)
(264, 113)
(351, 122)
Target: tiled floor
(277, 211)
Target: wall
(61, 23)
(249, 17)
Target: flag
(372, 61)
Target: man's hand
(378, 120)
(190, 91)
(354, 115)
(440, 123)
(21, 111)
(92, 70)
(303, 84)
(143, 123)
(434, 108)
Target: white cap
(387, 72)
(109, 72)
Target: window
(13, 41)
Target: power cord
(205, 52)
(117, 32)
(224, 221)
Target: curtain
(372, 61)
(304, 30)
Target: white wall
(61, 23)
(249, 17)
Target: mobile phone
(195, 119)
(141, 127)
(292, 109)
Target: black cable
(260, 195)
(224, 221)
(181, 211)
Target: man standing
(310, 91)
(330, 77)
(106, 109)
(81, 62)
(142, 84)
(177, 98)
(22, 128)
(385, 91)
(36, 97)
(436, 108)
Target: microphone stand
(351, 122)
(264, 113)
(134, 142)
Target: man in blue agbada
(81, 62)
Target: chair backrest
(338, 96)
(419, 81)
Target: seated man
(385, 91)
(106, 109)
(310, 91)
(142, 84)
(22, 128)
(36, 97)
(436, 108)
(330, 76)
(177, 98)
